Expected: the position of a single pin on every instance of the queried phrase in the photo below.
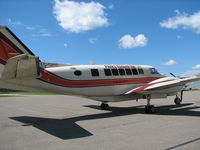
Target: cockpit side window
(153, 71)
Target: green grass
(36, 93)
(8, 96)
(195, 89)
(25, 93)
(192, 90)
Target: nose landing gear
(178, 99)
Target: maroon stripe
(86, 86)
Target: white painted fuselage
(99, 82)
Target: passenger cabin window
(107, 72)
(122, 72)
(128, 71)
(153, 71)
(77, 73)
(115, 72)
(140, 70)
(134, 71)
(94, 72)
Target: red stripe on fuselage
(55, 79)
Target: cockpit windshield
(153, 71)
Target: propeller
(176, 76)
(172, 75)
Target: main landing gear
(178, 99)
(149, 109)
(105, 106)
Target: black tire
(177, 101)
(105, 106)
(150, 109)
(146, 110)
(153, 109)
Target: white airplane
(21, 69)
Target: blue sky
(165, 34)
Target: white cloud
(79, 16)
(65, 45)
(43, 33)
(127, 41)
(184, 21)
(18, 23)
(177, 12)
(92, 40)
(11, 22)
(171, 62)
(111, 6)
(191, 73)
(38, 30)
(196, 66)
(29, 28)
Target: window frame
(135, 72)
(77, 73)
(140, 71)
(121, 71)
(106, 73)
(112, 70)
(94, 72)
(128, 71)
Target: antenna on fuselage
(91, 62)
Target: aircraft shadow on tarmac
(68, 129)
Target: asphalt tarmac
(58, 122)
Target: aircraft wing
(162, 84)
